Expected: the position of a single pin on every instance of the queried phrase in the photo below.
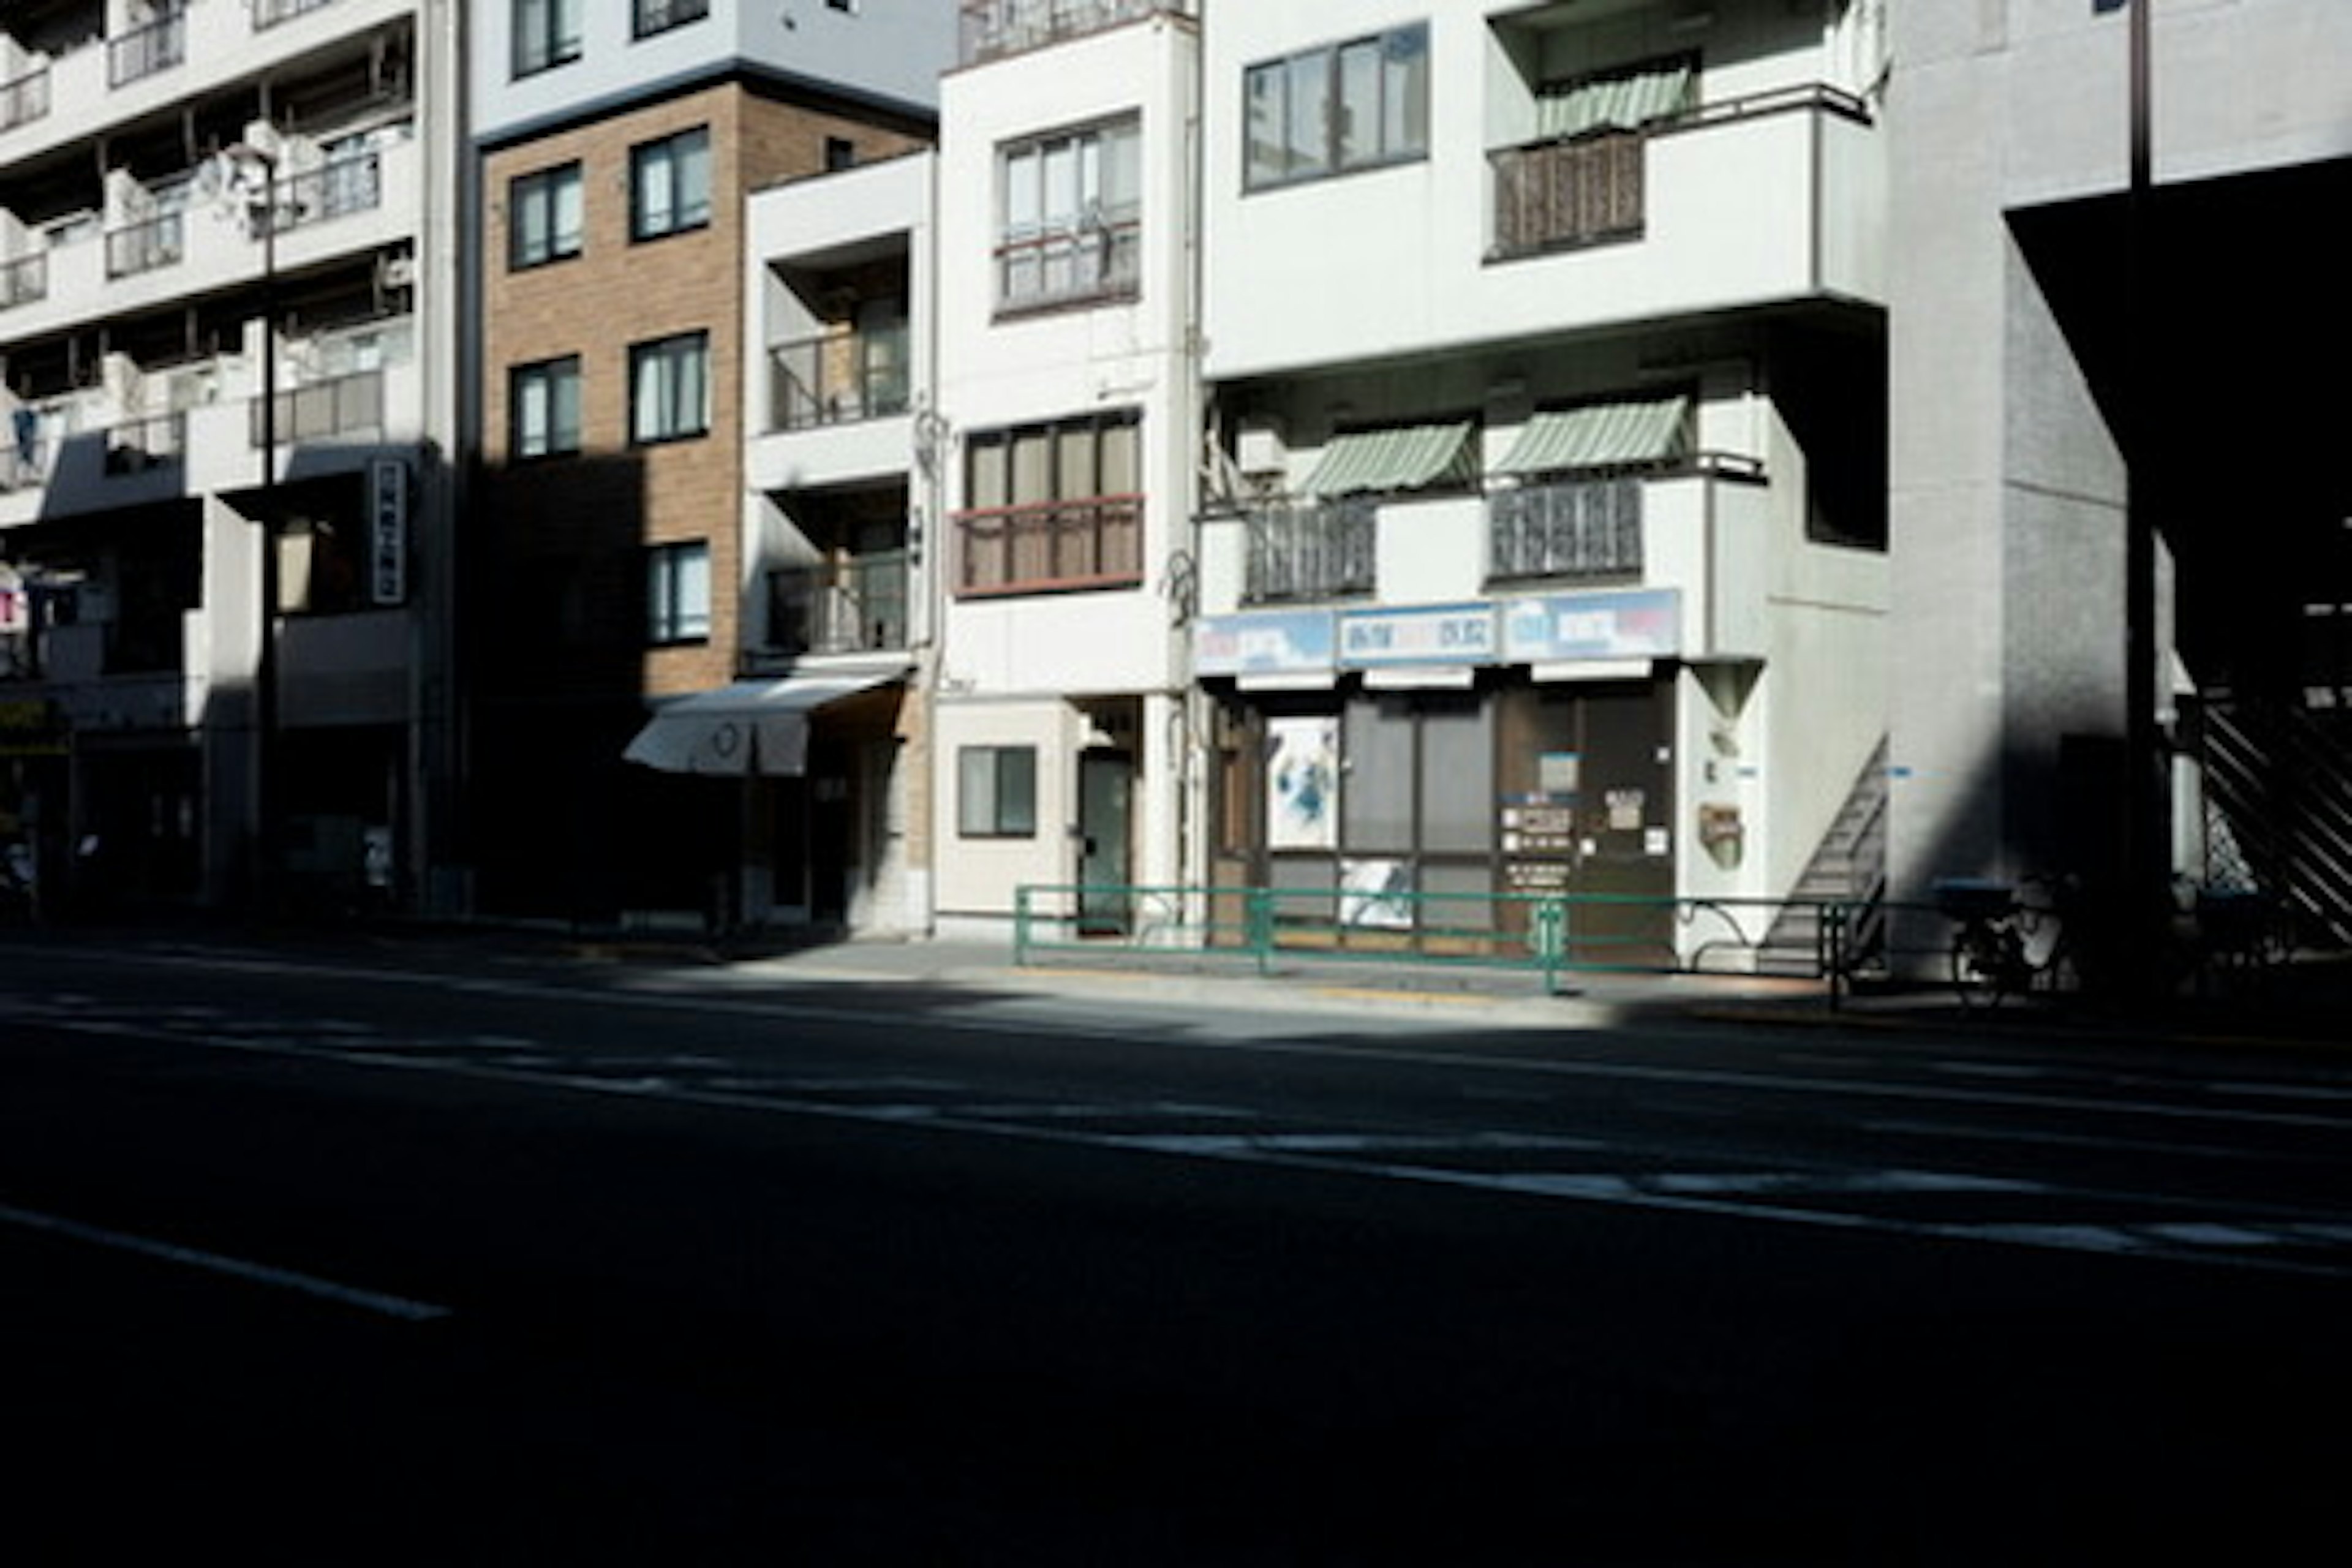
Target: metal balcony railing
(25, 99)
(135, 446)
(147, 48)
(1310, 550)
(1578, 529)
(350, 184)
(342, 404)
(838, 378)
(1098, 261)
(1560, 193)
(857, 605)
(23, 280)
(995, 28)
(1097, 543)
(144, 246)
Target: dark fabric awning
(752, 727)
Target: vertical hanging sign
(387, 500)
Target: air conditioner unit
(1259, 448)
(400, 272)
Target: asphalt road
(394, 1253)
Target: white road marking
(374, 1301)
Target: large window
(996, 792)
(1052, 506)
(546, 32)
(669, 388)
(1070, 222)
(677, 592)
(1355, 105)
(543, 408)
(670, 184)
(543, 215)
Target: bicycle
(2002, 945)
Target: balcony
(150, 47)
(855, 603)
(137, 446)
(24, 100)
(1066, 267)
(340, 405)
(1310, 550)
(1049, 546)
(146, 244)
(837, 378)
(1588, 528)
(993, 29)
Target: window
(543, 215)
(1052, 506)
(543, 408)
(546, 32)
(996, 792)
(669, 388)
(677, 592)
(1070, 221)
(1355, 105)
(670, 184)
(660, 15)
(840, 153)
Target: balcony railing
(23, 280)
(1100, 261)
(144, 246)
(1310, 550)
(350, 184)
(1588, 528)
(994, 28)
(838, 378)
(25, 99)
(852, 606)
(269, 13)
(1047, 545)
(340, 405)
(135, 446)
(660, 15)
(150, 47)
(1558, 194)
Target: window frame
(1095, 153)
(651, 18)
(1003, 765)
(1399, 125)
(546, 186)
(542, 46)
(684, 216)
(673, 350)
(671, 619)
(551, 375)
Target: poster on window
(1376, 893)
(1302, 782)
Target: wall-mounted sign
(387, 502)
(1264, 642)
(1644, 622)
(1420, 634)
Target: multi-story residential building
(616, 148)
(2112, 291)
(1545, 351)
(1068, 389)
(226, 288)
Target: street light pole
(2145, 838)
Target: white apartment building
(2079, 356)
(1544, 550)
(226, 291)
(1068, 390)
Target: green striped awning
(1403, 458)
(1622, 102)
(1601, 435)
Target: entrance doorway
(1106, 795)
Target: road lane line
(375, 1301)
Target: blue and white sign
(1639, 623)
(1423, 634)
(1263, 642)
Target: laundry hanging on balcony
(1601, 435)
(1403, 457)
(753, 727)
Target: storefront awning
(1601, 435)
(752, 727)
(1405, 458)
(1622, 102)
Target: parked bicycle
(2004, 944)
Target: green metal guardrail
(1550, 933)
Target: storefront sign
(1634, 623)
(388, 530)
(1433, 634)
(1268, 642)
